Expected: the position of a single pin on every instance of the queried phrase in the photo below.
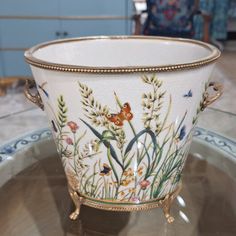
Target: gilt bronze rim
(29, 57)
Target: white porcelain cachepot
(122, 111)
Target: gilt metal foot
(78, 202)
(166, 204)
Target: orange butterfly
(124, 114)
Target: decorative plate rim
(222, 143)
(29, 57)
(12, 146)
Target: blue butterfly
(182, 133)
(43, 90)
(189, 94)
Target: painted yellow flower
(129, 172)
(126, 182)
(132, 190)
(140, 170)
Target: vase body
(123, 136)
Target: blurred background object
(212, 21)
(24, 23)
(170, 18)
(10, 83)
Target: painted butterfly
(189, 94)
(106, 170)
(124, 114)
(43, 90)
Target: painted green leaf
(135, 139)
(105, 142)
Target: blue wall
(18, 34)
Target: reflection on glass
(184, 217)
(181, 201)
(198, 155)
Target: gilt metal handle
(208, 99)
(34, 98)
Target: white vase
(122, 111)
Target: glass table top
(34, 199)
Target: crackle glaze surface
(123, 138)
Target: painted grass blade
(135, 139)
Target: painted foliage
(111, 167)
